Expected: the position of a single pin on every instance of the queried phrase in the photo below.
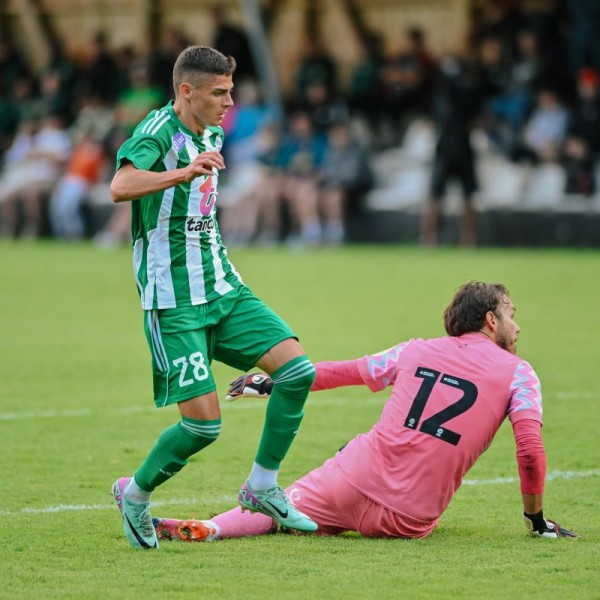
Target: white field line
(44, 414)
(549, 477)
(250, 404)
(245, 404)
(197, 501)
(59, 508)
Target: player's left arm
(531, 459)
(525, 413)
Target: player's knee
(207, 440)
(308, 378)
(200, 433)
(296, 376)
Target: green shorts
(236, 329)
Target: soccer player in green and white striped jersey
(196, 306)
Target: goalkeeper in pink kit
(449, 397)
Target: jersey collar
(181, 126)
(475, 336)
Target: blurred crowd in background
(526, 92)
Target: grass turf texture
(76, 413)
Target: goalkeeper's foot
(137, 522)
(189, 530)
(275, 504)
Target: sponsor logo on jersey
(209, 196)
(200, 225)
(178, 141)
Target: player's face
(211, 99)
(507, 332)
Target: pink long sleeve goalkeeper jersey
(449, 397)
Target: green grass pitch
(76, 413)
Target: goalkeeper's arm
(330, 374)
(531, 458)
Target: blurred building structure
(375, 60)
(139, 23)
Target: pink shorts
(337, 506)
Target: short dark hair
(472, 301)
(196, 61)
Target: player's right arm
(329, 375)
(376, 371)
(130, 182)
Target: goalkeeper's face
(507, 331)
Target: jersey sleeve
(378, 371)
(525, 394)
(143, 151)
(334, 374)
(531, 456)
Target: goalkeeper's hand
(540, 527)
(255, 385)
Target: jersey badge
(178, 141)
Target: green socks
(174, 446)
(291, 384)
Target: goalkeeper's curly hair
(472, 301)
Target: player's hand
(545, 528)
(204, 164)
(255, 385)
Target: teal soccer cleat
(275, 504)
(137, 522)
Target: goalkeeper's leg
(319, 494)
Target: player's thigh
(250, 329)
(326, 497)
(279, 355)
(336, 506)
(181, 355)
(379, 521)
(201, 408)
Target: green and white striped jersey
(178, 256)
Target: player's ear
(185, 90)
(491, 320)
